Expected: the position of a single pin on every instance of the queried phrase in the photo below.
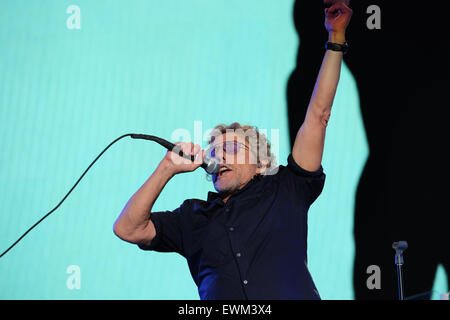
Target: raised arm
(309, 142)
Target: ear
(261, 166)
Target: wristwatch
(337, 47)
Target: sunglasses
(229, 147)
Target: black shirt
(254, 246)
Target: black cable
(46, 215)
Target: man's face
(238, 163)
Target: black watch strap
(337, 47)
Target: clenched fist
(177, 164)
(337, 18)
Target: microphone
(399, 247)
(211, 165)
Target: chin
(220, 188)
(223, 187)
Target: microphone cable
(162, 142)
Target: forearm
(136, 214)
(309, 142)
(327, 82)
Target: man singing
(248, 240)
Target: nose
(221, 155)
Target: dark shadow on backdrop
(401, 75)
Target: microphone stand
(399, 247)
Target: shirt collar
(213, 196)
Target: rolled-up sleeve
(168, 228)
(307, 183)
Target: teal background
(146, 67)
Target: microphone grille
(212, 165)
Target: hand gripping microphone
(211, 165)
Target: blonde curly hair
(257, 141)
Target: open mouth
(223, 171)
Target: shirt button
(231, 229)
(238, 254)
(227, 210)
(245, 281)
